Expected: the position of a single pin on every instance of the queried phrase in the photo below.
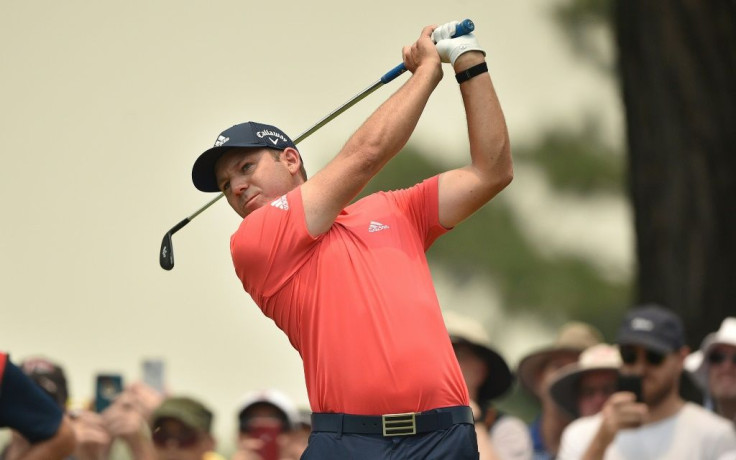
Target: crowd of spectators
(597, 400)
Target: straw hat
(572, 338)
(564, 389)
(465, 330)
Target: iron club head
(166, 255)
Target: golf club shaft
(463, 28)
(166, 254)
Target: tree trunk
(677, 60)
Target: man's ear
(292, 159)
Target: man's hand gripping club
(450, 48)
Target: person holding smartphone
(651, 342)
(267, 419)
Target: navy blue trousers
(455, 443)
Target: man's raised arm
(380, 137)
(463, 191)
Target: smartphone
(107, 388)
(153, 374)
(630, 383)
(268, 435)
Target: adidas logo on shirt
(281, 203)
(377, 227)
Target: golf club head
(166, 254)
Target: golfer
(349, 284)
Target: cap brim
(203, 171)
(645, 340)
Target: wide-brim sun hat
(725, 335)
(466, 330)
(572, 338)
(565, 387)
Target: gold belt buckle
(399, 424)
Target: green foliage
(577, 162)
(572, 13)
(580, 20)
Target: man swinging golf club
(349, 284)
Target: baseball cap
(249, 134)
(287, 411)
(49, 376)
(653, 327)
(187, 410)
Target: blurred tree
(677, 69)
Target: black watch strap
(474, 71)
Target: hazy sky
(105, 105)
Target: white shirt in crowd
(693, 433)
(510, 438)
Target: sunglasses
(630, 355)
(180, 434)
(718, 357)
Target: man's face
(175, 440)
(473, 367)
(660, 373)
(722, 372)
(263, 429)
(594, 388)
(251, 178)
(547, 374)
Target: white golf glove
(450, 48)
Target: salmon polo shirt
(357, 302)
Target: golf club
(166, 254)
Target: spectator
(652, 345)
(299, 437)
(717, 368)
(536, 371)
(181, 429)
(268, 422)
(34, 415)
(49, 376)
(126, 420)
(487, 376)
(582, 388)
